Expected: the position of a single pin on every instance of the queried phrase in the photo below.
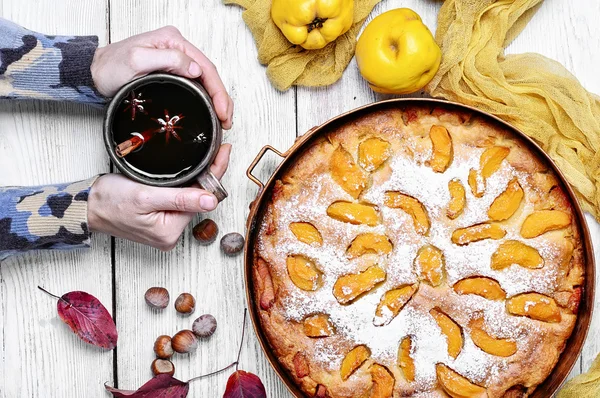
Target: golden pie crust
(418, 251)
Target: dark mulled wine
(162, 130)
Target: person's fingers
(187, 200)
(219, 166)
(227, 124)
(147, 60)
(212, 82)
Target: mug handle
(209, 182)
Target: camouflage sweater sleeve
(46, 217)
(36, 66)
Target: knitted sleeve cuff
(36, 66)
(46, 217)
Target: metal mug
(200, 173)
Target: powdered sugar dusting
(356, 321)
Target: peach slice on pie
(451, 330)
(346, 173)
(430, 263)
(491, 160)
(353, 213)
(369, 243)
(372, 153)
(318, 325)
(442, 149)
(507, 203)
(477, 232)
(303, 273)
(353, 359)
(477, 183)
(306, 232)
(349, 287)
(412, 207)
(405, 361)
(383, 382)
(535, 306)
(458, 199)
(458, 386)
(540, 222)
(515, 252)
(392, 302)
(481, 286)
(490, 344)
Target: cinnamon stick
(132, 144)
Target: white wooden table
(39, 356)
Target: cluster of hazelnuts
(184, 341)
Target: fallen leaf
(161, 386)
(243, 384)
(88, 318)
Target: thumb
(188, 200)
(147, 60)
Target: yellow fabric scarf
(288, 64)
(533, 93)
(586, 385)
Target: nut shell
(185, 303)
(162, 366)
(157, 297)
(232, 243)
(204, 326)
(163, 347)
(206, 231)
(184, 341)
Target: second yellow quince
(397, 53)
(312, 24)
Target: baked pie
(422, 251)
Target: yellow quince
(312, 24)
(397, 53)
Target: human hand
(166, 50)
(149, 215)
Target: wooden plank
(262, 116)
(39, 356)
(574, 31)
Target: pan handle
(255, 162)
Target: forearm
(45, 217)
(36, 66)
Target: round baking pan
(575, 342)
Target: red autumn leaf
(87, 318)
(243, 384)
(161, 386)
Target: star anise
(169, 125)
(135, 104)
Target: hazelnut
(204, 326)
(163, 348)
(206, 231)
(161, 366)
(232, 243)
(185, 303)
(184, 341)
(157, 297)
